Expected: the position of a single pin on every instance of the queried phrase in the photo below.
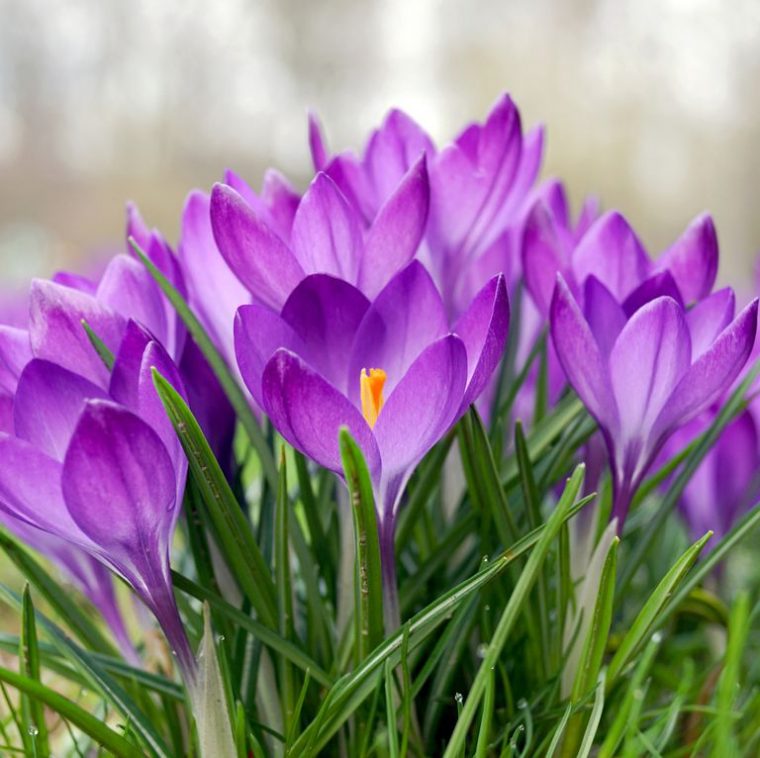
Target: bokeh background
(652, 104)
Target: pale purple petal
(396, 233)
(483, 328)
(327, 232)
(56, 332)
(402, 321)
(661, 284)
(259, 332)
(580, 357)
(693, 259)
(49, 400)
(611, 251)
(708, 318)
(309, 412)
(256, 255)
(649, 358)
(419, 411)
(15, 353)
(281, 200)
(711, 373)
(604, 314)
(325, 313)
(319, 153)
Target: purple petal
(137, 229)
(308, 412)
(396, 233)
(604, 314)
(15, 353)
(256, 255)
(75, 282)
(483, 328)
(215, 292)
(281, 201)
(580, 357)
(419, 411)
(527, 171)
(327, 231)
(708, 318)
(128, 289)
(661, 284)
(325, 313)
(649, 358)
(711, 373)
(319, 153)
(402, 321)
(48, 403)
(56, 332)
(611, 251)
(118, 484)
(259, 332)
(693, 259)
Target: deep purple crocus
(390, 370)
(480, 187)
(102, 470)
(645, 373)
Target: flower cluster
(377, 301)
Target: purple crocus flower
(389, 370)
(327, 236)
(102, 470)
(645, 373)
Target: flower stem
(391, 610)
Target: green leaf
(390, 711)
(100, 347)
(89, 724)
(650, 615)
(33, 715)
(481, 750)
(218, 365)
(233, 529)
(368, 611)
(527, 579)
(593, 722)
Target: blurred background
(648, 104)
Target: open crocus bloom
(645, 373)
(390, 371)
(480, 184)
(102, 470)
(327, 236)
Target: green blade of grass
(33, 715)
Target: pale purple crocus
(645, 373)
(480, 187)
(390, 370)
(102, 470)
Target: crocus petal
(327, 231)
(15, 353)
(317, 147)
(325, 313)
(256, 255)
(215, 292)
(119, 487)
(527, 171)
(604, 314)
(611, 251)
(483, 328)
(281, 201)
(30, 489)
(128, 288)
(396, 233)
(661, 284)
(648, 360)
(259, 331)
(419, 411)
(75, 282)
(309, 412)
(711, 373)
(693, 259)
(580, 357)
(48, 402)
(402, 321)
(56, 332)
(708, 318)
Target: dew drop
(219, 639)
(482, 650)
(33, 731)
(657, 638)
(485, 559)
(459, 698)
(487, 608)
(522, 703)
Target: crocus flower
(480, 185)
(727, 482)
(102, 470)
(389, 370)
(644, 374)
(327, 237)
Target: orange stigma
(372, 384)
